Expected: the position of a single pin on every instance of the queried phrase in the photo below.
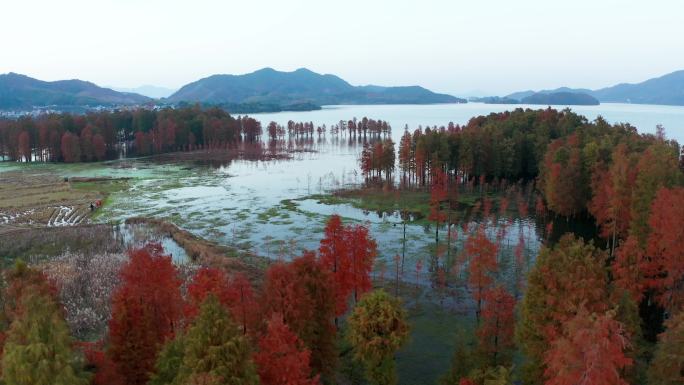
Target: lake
(260, 206)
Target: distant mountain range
(566, 98)
(269, 86)
(271, 90)
(22, 92)
(666, 90)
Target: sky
(471, 47)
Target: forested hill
(561, 98)
(543, 98)
(23, 92)
(268, 86)
(666, 90)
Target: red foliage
(282, 295)
(498, 319)
(334, 256)
(663, 267)
(591, 352)
(206, 281)
(348, 253)
(563, 176)
(103, 367)
(612, 200)
(71, 148)
(626, 267)
(362, 253)
(242, 303)
(573, 275)
(282, 359)
(235, 294)
(301, 291)
(481, 254)
(438, 194)
(146, 309)
(100, 147)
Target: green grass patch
(415, 203)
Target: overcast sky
(453, 46)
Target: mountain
(148, 90)
(523, 94)
(496, 100)
(268, 86)
(546, 97)
(22, 92)
(667, 89)
(561, 98)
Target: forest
(108, 135)
(607, 309)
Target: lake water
(247, 203)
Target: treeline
(112, 134)
(108, 135)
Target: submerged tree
(495, 333)
(481, 255)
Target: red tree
(206, 281)
(235, 294)
(590, 352)
(348, 253)
(334, 256)
(104, 368)
(99, 147)
(242, 303)
(612, 196)
(71, 148)
(495, 333)
(438, 194)
(663, 266)
(146, 309)
(282, 358)
(362, 253)
(481, 255)
(302, 291)
(626, 268)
